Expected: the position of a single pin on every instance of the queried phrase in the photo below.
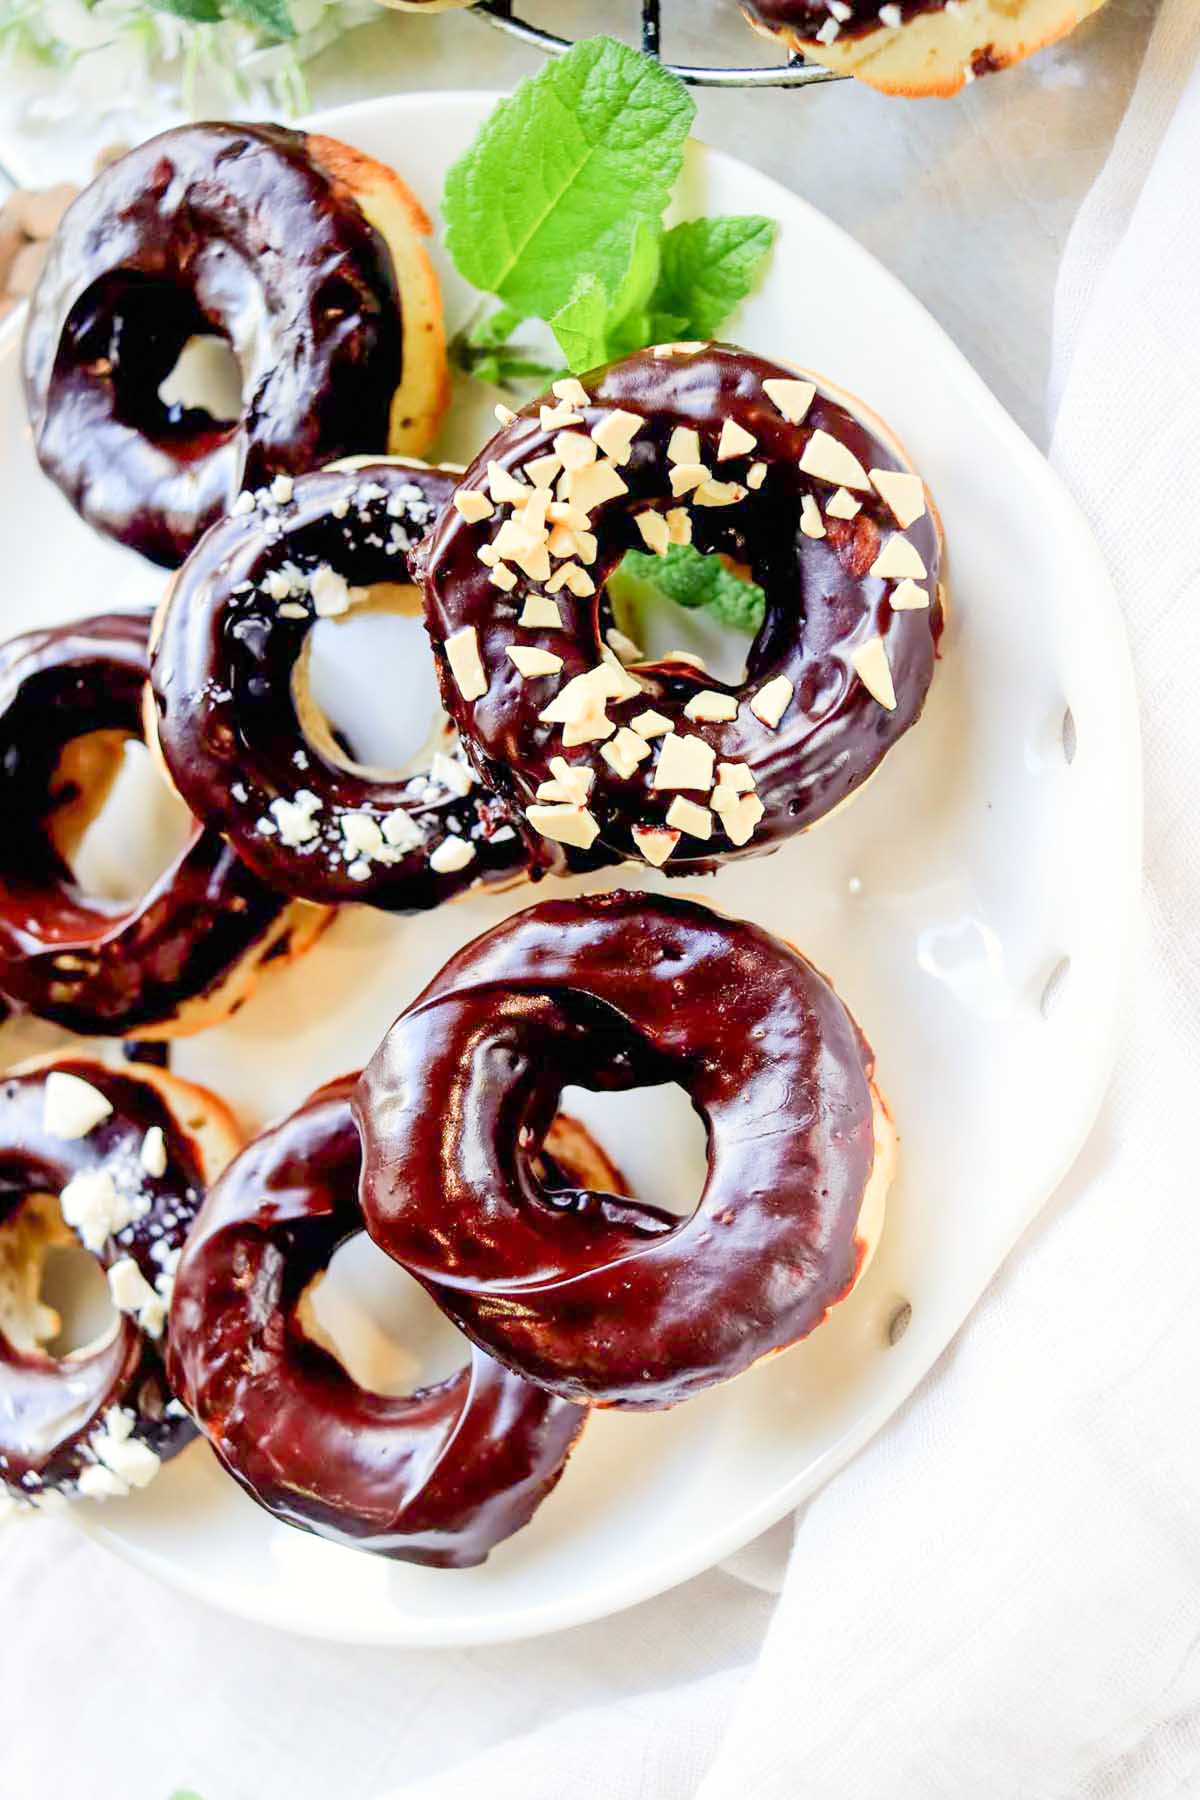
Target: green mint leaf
(579, 326)
(688, 578)
(508, 368)
(632, 295)
(200, 12)
(272, 16)
(562, 172)
(495, 329)
(708, 267)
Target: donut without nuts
(125, 1158)
(596, 1297)
(304, 256)
(437, 1477)
(238, 731)
(186, 953)
(707, 444)
(917, 47)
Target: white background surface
(164, 1694)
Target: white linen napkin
(1000, 1598)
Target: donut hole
(642, 593)
(365, 689)
(655, 1136)
(143, 335)
(379, 1322)
(53, 1293)
(114, 821)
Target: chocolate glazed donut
(190, 948)
(130, 1154)
(241, 738)
(687, 443)
(596, 1297)
(436, 1477)
(262, 237)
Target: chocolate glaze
(436, 1477)
(821, 603)
(228, 229)
(597, 1297)
(98, 966)
(805, 18)
(223, 673)
(49, 1407)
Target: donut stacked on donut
(437, 1477)
(304, 257)
(708, 445)
(242, 738)
(917, 46)
(116, 1162)
(185, 953)
(594, 1296)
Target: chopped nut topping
(551, 418)
(651, 724)
(756, 474)
(543, 470)
(153, 1153)
(451, 855)
(684, 762)
(906, 596)
(871, 665)
(504, 414)
(624, 647)
(736, 775)
(683, 445)
(591, 487)
(772, 701)
(655, 842)
(363, 836)
(462, 653)
(738, 821)
(624, 752)
(401, 832)
(843, 505)
(559, 578)
(473, 504)
(578, 580)
(687, 476)
(504, 577)
(571, 785)
(709, 706)
(898, 557)
(71, 1107)
(540, 613)
(719, 493)
(615, 433)
(829, 460)
(564, 824)
(579, 707)
(811, 522)
(574, 450)
(530, 662)
(568, 388)
(684, 347)
(902, 492)
(504, 487)
(791, 398)
(656, 533)
(734, 440)
(679, 524)
(451, 773)
(685, 815)
(488, 555)
(587, 546)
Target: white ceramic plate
(984, 856)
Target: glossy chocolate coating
(597, 1297)
(820, 604)
(223, 673)
(232, 230)
(439, 1476)
(49, 1407)
(99, 966)
(804, 18)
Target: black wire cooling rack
(795, 72)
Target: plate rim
(421, 1631)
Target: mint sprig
(688, 578)
(557, 211)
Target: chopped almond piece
(685, 815)
(871, 665)
(830, 460)
(462, 653)
(530, 662)
(903, 493)
(565, 824)
(684, 762)
(615, 433)
(734, 440)
(473, 504)
(811, 522)
(710, 707)
(843, 505)
(791, 398)
(655, 842)
(656, 533)
(906, 596)
(772, 701)
(540, 614)
(899, 557)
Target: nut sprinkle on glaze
(709, 445)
